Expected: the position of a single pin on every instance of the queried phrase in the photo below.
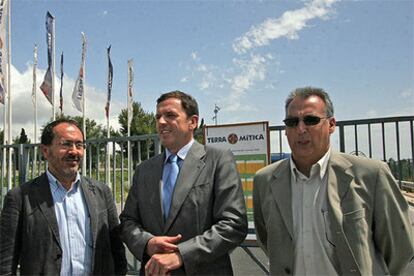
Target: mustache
(72, 158)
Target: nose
(301, 127)
(161, 120)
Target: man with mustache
(327, 213)
(61, 223)
(188, 228)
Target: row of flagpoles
(48, 84)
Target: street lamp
(216, 110)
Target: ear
(45, 151)
(193, 122)
(332, 125)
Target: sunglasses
(308, 120)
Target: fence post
(22, 164)
(341, 138)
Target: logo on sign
(232, 138)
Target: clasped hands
(164, 254)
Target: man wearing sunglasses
(327, 213)
(61, 223)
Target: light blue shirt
(74, 227)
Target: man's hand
(162, 264)
(163, 244)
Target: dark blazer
(30, 233)
(208, 210)
(368, 217)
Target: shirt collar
(182, 153)
(55, 184)
(322, 164)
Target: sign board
(250, 145)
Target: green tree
(23, 137)
(142, 122)
(93, 129)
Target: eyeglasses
(67, 145)
(308, 120)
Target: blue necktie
(168, 187)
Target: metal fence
(389, 139)
(107, 160)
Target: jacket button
(58, 256)
(287, 270)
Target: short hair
(48, 134)
(307, 92)
(188, 103)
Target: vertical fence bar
(122, 173)
(341, 138)
(13, 167)
(280, 143)
(356, 139)
(139, 152)
(369, 141)
(412, 150)
(98, 163)
(147, 144)
(397, 134)
(3, 163)
(384, 156)
(114, 170)
(89, 155)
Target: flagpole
(4, 96)
(61, 86)
(84, 105)
(107, 109)
(9, 179)
(35, 107)
(129, 115)
(53, 69)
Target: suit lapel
(88, 189)
(44, 198)
(153, 188)
(339, 182)
(282, 193)
(190, 170)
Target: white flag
(78, 91)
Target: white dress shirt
(314, 250)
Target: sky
(244, 56)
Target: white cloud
(204, 85)
(288, 25)
(184, 79)
(202, 68)
(372, 113)
(23, 110)
(407, 93)
(252, 70)
(230, 85)
(194, 56)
